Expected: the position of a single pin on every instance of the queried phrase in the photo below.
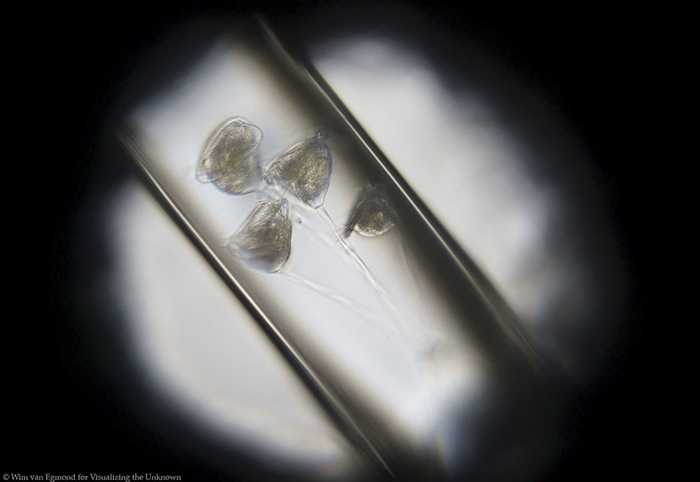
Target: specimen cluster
(230, 161)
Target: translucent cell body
(265, 238)
(371, 215)
(304, 171)
(229, 159)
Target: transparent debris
(304, 171)
(264, 240)
(371, 215)
(229, 159)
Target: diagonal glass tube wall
(393, 327)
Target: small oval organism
(304, 170)
(229, 159)
(372, 214)
(264, 239)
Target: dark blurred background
(64, 417)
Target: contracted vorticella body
(230, 158)
(372, 214)
(303, 171)
(265, 238)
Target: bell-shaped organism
(264, 240)
(371, 215)
(229, 159)
(304, 171)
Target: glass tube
(383, 315)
